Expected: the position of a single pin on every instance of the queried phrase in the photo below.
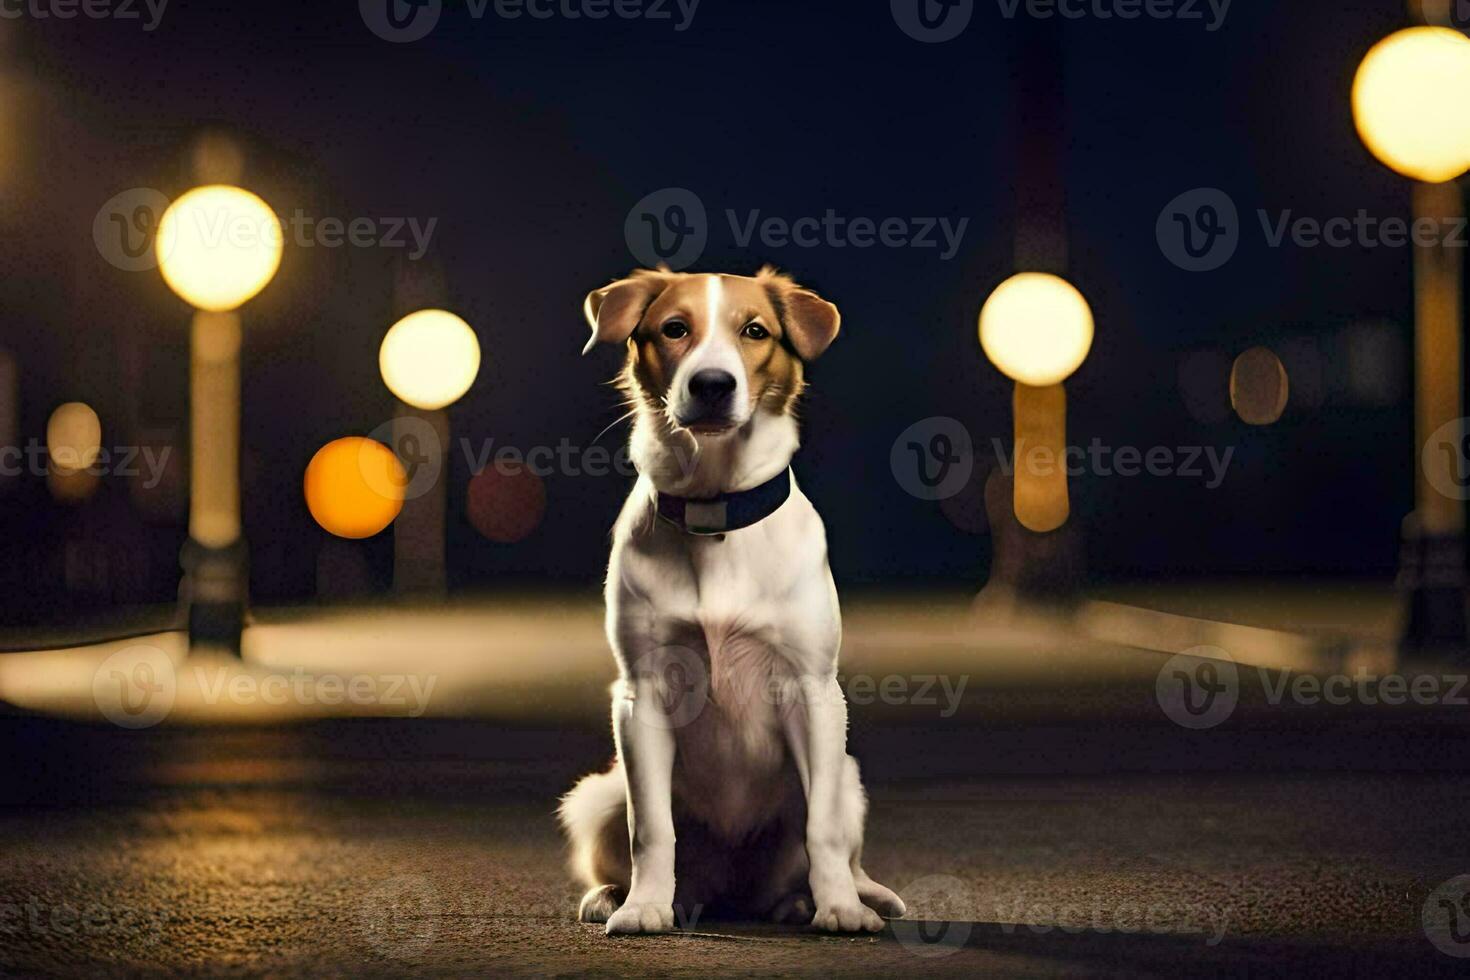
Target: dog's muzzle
(711, 398)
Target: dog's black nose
(711, 385)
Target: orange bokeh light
(354, 487)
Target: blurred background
(523, 144)
(363, 779)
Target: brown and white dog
(730, 725)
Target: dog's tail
(595, 817)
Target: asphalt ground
(409, 847)
(1054, 820)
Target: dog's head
(710, 351)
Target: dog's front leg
(816, 730)
(645, 740)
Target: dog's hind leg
(595, 817)
(601, 902)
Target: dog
(732, 792)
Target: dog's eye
(755, 331)
(675, 329)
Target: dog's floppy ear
(810, 322)
(614, 311)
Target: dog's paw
(879, 899)
(600, 903)
(638, 918)
(847, 917)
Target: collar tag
(728, 511)
(706, 516)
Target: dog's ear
(614, 311)
(810, 322)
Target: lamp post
(428, 360)
(217, 246)
(1411, 105)
(1037, 329)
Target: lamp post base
(213, 594)
(1432, 578)
(1046, 568)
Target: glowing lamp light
(218, 246)
(1259, 386)
(429, 359)
(1036, 328)
(71, 486)
(1411, 102)
(73, 437)
(354, 487)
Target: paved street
(376, 847)
(1052, 821)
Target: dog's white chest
(767, 585)
(752, 610)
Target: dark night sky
(530, 141)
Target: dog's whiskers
(622, 418)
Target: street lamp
(217, 247)
(1037, 329)
(428, 360)
(1411, 105)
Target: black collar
(728, 511)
